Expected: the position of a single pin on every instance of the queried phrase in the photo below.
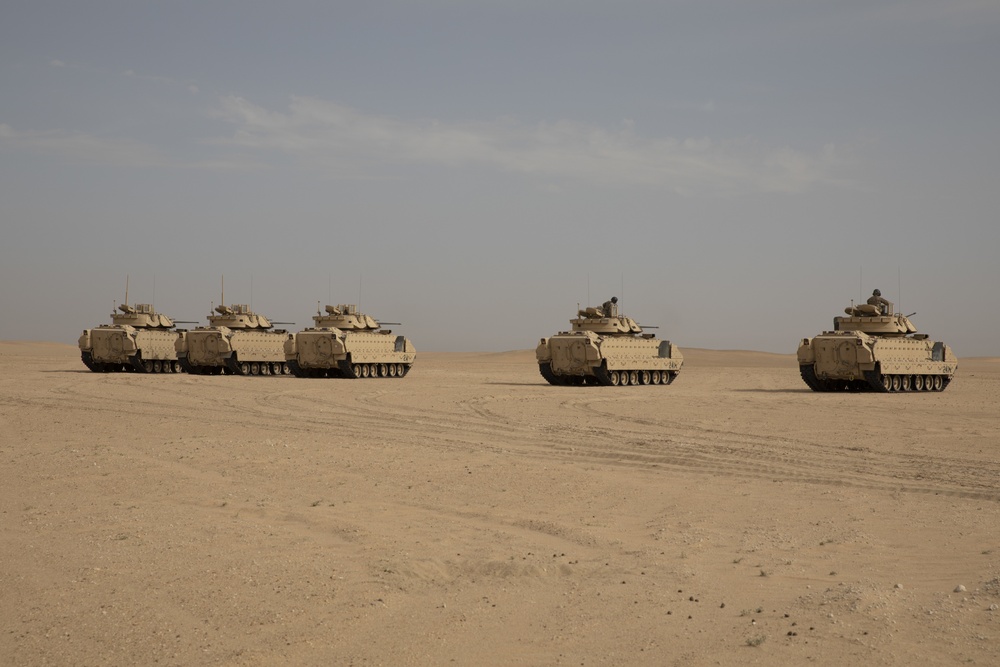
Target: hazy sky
(474, 169)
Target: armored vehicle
(873, 348)
(608, 349)
(237, 341)
(346, 343)
(138, 339)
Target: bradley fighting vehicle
(138, 339)
(236, 341)
(874, 348)
(608, 349)
(346, 343)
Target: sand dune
(472, 514)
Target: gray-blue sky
(473, 168)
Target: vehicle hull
(331, 352)
(585, 357)
(856, 361)
(221, 350)
(112, 348)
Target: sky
(735, 171)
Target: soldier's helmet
(614, 299)
(877, 293)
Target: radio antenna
(861, 283)
(223, 302)
(899, 288)
(251, 290)
(126, 289)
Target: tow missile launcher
(138, 339)
(237, 341)
(873, 348)
(347, 343)
(607, 348)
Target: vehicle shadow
(806, 390)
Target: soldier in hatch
(884, 305)
(610, 308)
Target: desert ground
(471, 514)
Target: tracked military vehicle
(873, 348)
(237, 341)
(606, 348)
(138, 339)
(349, 344)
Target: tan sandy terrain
(472, 514)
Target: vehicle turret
(238, 316)
(141, 316)
(345, 317)
(595, 320)
(876, 321)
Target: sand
(471, 514)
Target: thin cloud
(189, 85)
(336, 138)
(82, 147)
